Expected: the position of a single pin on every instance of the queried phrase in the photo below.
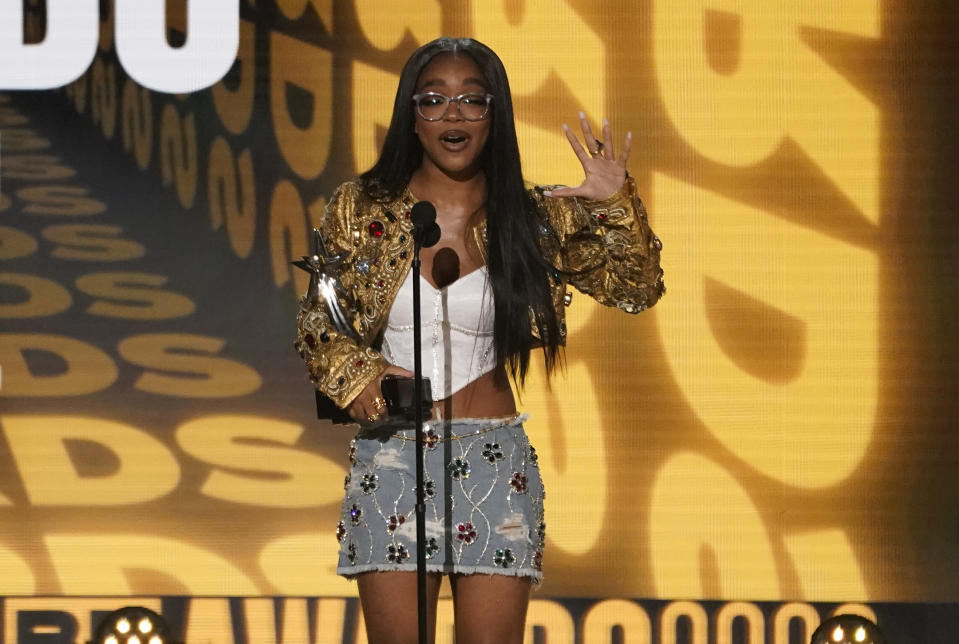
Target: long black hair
(519, 273)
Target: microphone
(426, 232)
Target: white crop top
(457, 338)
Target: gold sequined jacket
(603, 248)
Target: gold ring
(372, 417)
(379, 403)
(599, 147)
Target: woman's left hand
(605, 172)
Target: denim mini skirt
(484, 500)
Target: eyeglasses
(432, 106)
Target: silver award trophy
(326, 288)
(325, 285)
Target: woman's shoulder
(359, 193)
(349, 197)
(351, 189)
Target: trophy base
(399, 394)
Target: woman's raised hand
(605, 171)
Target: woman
(494, 288)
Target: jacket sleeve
(338, 367)
(606, 248)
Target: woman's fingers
(370, 405)
(596, 148)
(361, 410)
(565, 191)
(363, 407)
(581, 154)
(608, 141)
(605, 172)
(356, 410)
(592, 143)
(393, 370)
(624, 157)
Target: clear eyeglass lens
(433, 107)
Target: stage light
(118, 627)
(848, 629)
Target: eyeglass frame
(449, 101)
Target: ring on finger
(599, 147)
(372, 417)
(379, 403)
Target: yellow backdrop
(773, 431)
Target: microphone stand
(420, 448)
(425, 234)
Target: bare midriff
(489, 396)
